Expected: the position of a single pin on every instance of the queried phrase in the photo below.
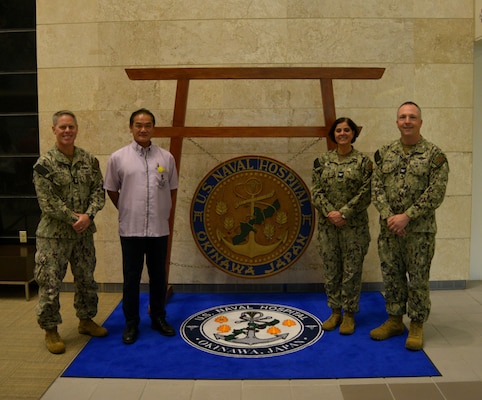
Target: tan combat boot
(347, 326)
(415, 336)
(53, 341)
(89, 327)
(393, 326)
(333, 321)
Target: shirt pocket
(328, 174)
(389, 166)
(85, 175)
(61, 179)
(419, 174)
(161, 180)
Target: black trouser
(133, 251)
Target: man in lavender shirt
(141, 179)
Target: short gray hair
(410, 103)
(58, 114)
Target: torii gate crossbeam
(183, 76)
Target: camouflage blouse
(64, 187)
(342, 184)
(413, 183)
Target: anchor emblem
(252, 217)
(255, 322)
(257, 216)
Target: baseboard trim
(263, 287)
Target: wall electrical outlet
(23, 236)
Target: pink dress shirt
(144, 178)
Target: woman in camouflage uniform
(341, 194)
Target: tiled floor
(453, 341)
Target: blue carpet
(332, 356)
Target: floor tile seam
(441, 391)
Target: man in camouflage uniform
(408, 184)
(68, 182)
(341, 194)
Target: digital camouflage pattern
(51, 261)
(402, 255)
(343, 184)
(64, 187)
(413, 183)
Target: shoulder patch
(439, 160)
(41, 170)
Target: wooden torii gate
(183, 76)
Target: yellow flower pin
(160, 169)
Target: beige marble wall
(426, 48)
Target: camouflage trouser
(405, 257)
(343, 251)
(51, 259)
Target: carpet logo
(251, 330)
(252, 217)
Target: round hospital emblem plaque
(252, 217)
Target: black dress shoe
(162, 326)
(130, 334)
